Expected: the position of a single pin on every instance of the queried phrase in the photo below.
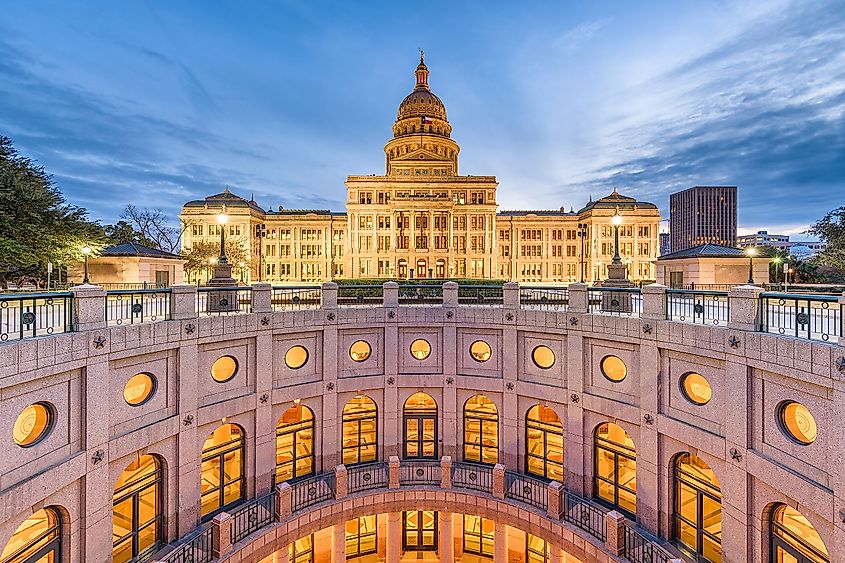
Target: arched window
(419, 530)
(302, 550)
(697, 511)
(544, 443)
(222, 476)
(615, 468)
(481, 430)
(37, 540)
(794, 539)
(137, 510)
(295, 444)
(420, 427)
(360, 431)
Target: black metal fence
(704, 307)
(418, 472)
(584, 514)
(252, 516)
(126, 306)
(544, 298)
(814, 317)
(35, 314)
(294, 298)
(527, 489)
(311, 491)
(195, 550)
(360, 295)
(224, 300)
(615, 301)
(640, 549)
(486, 295)
(420, 294)
(366, 477)
(472, 476)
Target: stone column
(341, 482)
(89, 307)
(183, 302)
(510, 295)
(265, 426)
(450, 294)
(499, 481)
(578, 298)
(221, 535)
(447, 546)
(615, 542)
(445, 472)
(393, 472)
(394, 537)
(329, 291)
(262, 298)
(391, 294)
(283, 506)
(500, 543)
(744, 311)
(339, 543)
(654, 302)
(555, 555)
(555, 493)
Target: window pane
(148, 507)
(688, 503)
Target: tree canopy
(831, 229)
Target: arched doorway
(360, 431)
(697, 509)
(422, 271)
(295, 444)
(223, 474)
(137, 514)
(794, 539)
(419, 416)
(544, 443)
(440, 266)
(615, 468)
(37, 540)
(481, 430)
(402, 269)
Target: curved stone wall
(96, 434)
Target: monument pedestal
(617, 301)
(222, 300)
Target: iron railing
(704, 307)
(252, 516)
(615, 301)
(360, 295)
(527, 489)
(419, 472)
(814, 317)
(311, 491)
(224, 300)
(294, 298)
(584, 514)
(420, 294)
(480, 295)
(544, 298)
(367, 476)
(127, 306)
(194, 550)
(472, 476)
(642, 549)
(35, 314)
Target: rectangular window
(478, 535)
(361, 536)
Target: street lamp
(86, 250)
(582, 234)
(241, 268)
(616, 220)
(222, 219)
(751, 251)
(777, 261)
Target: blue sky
(157, 103)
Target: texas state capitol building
(422, 219)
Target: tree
(199, 256)
(123, 231)
(151, 226)
(37, 226)
(831, 230)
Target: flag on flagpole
(427, 120)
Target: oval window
(543, 357)
(224, 369)
(798, 423)
(480, 351)
(696, 388)
(359, 351)
(33, 424)
(613, 368)
(420, 349)
(296, 357)
(139, 389)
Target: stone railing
(619, 536)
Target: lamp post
(241, 268)
(222, 219)
(582, 234)
(751, 251)
(86, 250)
(777, 261)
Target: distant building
(130, 265)
(665, 244)
(702, 215)
(710, 266)
(799, 249)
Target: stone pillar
(447, 546)
(339, 543)
(89, 307)
(394, 537)
(499, 481)
(329, 293)
(340, 482)
(578, 298)
(842, 320)
(283, 506)
(615, 542)
(654, 302)
(183, 302)
(393, 472)
(555, 555)
(221, 535)
(391, 294)
(446, 472)
(555, 492)
(744, 311)
(510, 295)
(262, 298)
(450, 294)
(500, 543)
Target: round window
(480, 351)
(359, 351)
(543, 357)
(296, 357)
(33, 424)
(420, 349)
(696, 388)
(613, 368)
(139, 389)
(224, 369)
(798, 423)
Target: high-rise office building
(702, 215)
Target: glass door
(419, 530)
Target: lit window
(697, 509)
(222, 479)
(224, 369)
(797, 422)
(615, 468)
(37, 539)
(613, 368)
(139, 389)
(794, 539)
(33, 424)
(481, 430)
(296, 357)
(536, 549)
(480, 351)
(360, 431)
(360, 351)
(419, 530)
(543, 357)
(419, 417)
(361, 536)
(295, 444)
(137, 515)
(479, 535)
(696, 388)
(544, 443)
(420, 349)
(302, 550)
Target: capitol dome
(421, 102)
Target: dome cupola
(421, 110)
